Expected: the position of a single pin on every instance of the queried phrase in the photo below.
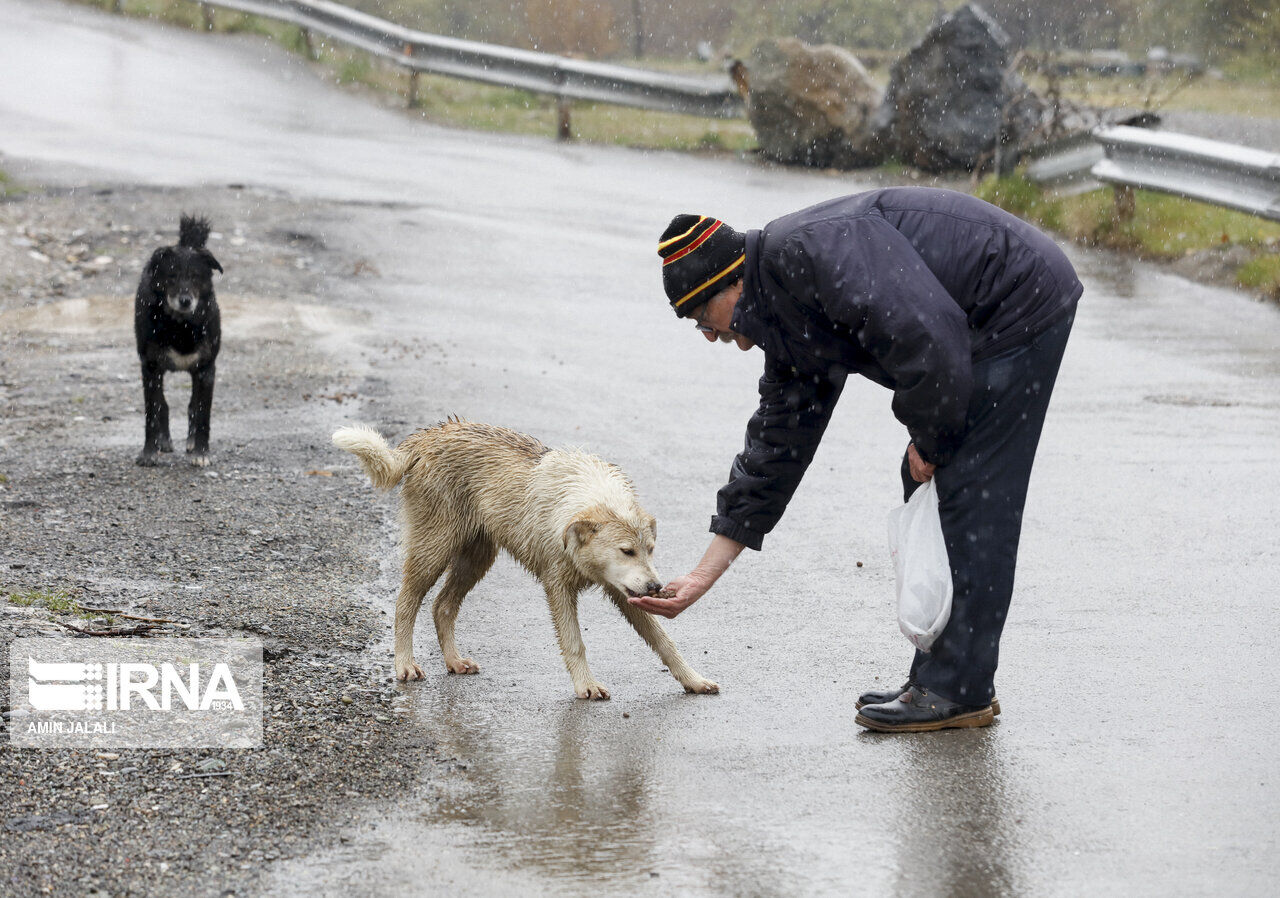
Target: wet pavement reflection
(959, 839)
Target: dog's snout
(652, 586)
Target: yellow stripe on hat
(696, 290)
(664, 244)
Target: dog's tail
(193, 231)
(384, 465)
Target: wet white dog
(570, 518)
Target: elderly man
(960, 309)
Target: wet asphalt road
(1136, 751)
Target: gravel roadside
(276, 538)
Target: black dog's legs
(157, 437)
(198, 414)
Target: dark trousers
(981, 493)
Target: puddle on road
(1188, 401)
(243, 317)
(561, 798)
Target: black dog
(175, 318)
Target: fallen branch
(139, 630)
(114, 612)
(150, 620)
(196, 776)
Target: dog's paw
(165, 444)
(408, 670)
(593, 691)
(198, 459)
(146, 459)
(462, 666)
(702, 687)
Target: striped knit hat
(700, 257)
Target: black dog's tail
(193, 231)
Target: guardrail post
(413, 88)
(1126, 202)
(117, 5)
(564, 129)
(207, 12)
(307, 46)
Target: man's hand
(688, 589)
(921, 470)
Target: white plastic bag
(924, 571)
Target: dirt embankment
(274, 539)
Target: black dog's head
(181, 276)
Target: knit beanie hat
(700, 257)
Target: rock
(952, 99)
(811, 105)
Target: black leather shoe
(879, 698)
(919, 711)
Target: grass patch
(1017, 194)
(356, 69)
(468, 104)
(8, 186)
(1163, 227)
(59, 601)
(1262, 273)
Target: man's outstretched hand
(691, 587)
(684, 592)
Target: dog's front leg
(564, 614)
(157, 415)
(198, 413)
(651, 632)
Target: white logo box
(135, 693)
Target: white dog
(570, 518)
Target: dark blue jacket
(907, 286)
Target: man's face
(713, 318)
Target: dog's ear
(651, 524)
(208, 257)
(159, 256)
(580, 532)
(151, 274)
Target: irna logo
(124, 686)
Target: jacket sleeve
(873, 282)
(782, 437)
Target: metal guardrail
(567, 79)
(1207, 170)
(1210, 171)
(1065, 165)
